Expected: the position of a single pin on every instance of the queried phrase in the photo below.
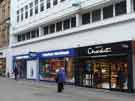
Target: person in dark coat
(15, 73)
(60, 79)
(121, 78)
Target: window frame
(48, 4)
(118, 10)
(109, 14)
(96, 15)
(84, 16)
(66, 24)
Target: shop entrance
(102, 73)
(21, 65)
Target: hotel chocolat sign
(99, 50)
(105, 49)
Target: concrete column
(41, 31)
(102, 17)
(12, 40)
(78, 19)
(51, 2)
(129, 6)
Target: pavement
(25, 90)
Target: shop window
(108, 12)
(48, 4)
(46, 31)
(120, 8)
(86, 18)
(31, 9)
(55, 2)
(66, 24)
(73, 22)
(49, 66)
(52, 28)
(134, 4)
(59, 26)
(96, 15)
(26, 12)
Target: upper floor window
(31, 9)
(108, 12)
(66, 24)
(26, 11)
(18, 14)
(120, 8)
(22, 10)
(62, 0)
(59, 26)
(41, 5)
(96, 15)
(48, 4)
(73, 21)
(19, 38)
(36, 6)
(46, 30)
(134, 4)
(23, 37)
(52, 28)
(28, 35)
(86, 18)
(55, 2)
(36, 2)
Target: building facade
(4, 33)
(44, 34)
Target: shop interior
(48, 68)
(22, 68)
(107, 73)
(2, 66)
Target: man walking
(61, 77)
(15, 73)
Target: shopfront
(27, 65)
(105, 66)
(2, 66)
(20, 62)
(52, 60)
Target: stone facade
(4, 22)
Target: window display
(108, 73)
(48, 68)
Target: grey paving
(23, 90)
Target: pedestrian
(60, 79)
(15, 73)
(121, 79)
(98, 78)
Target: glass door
(102, 74)
(119, 76)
